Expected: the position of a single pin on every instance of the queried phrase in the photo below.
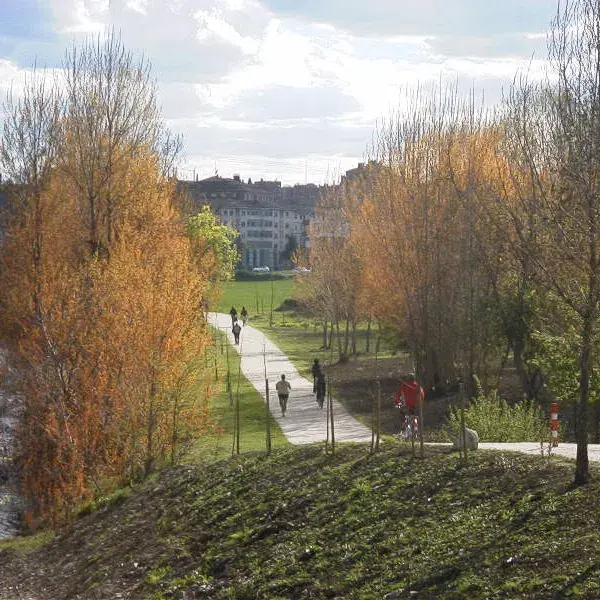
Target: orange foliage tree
(417, 233)
(101, 296)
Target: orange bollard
(554, 423)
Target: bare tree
(112, 115)
(555, 130)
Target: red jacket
(412, 393)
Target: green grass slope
(300, 524)
(255, 295)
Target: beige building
(271, 221)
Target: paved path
(563, 449)
(304, 421)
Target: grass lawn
(299, 335)
(219, 442)
(255, 294)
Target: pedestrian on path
(283, 388)
(236, 329)
(244, 315)
(233, 314)
(316, 369)
(321, 388)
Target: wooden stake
(421, 442)
(271, 311)
(463, 426)
(330, 400)
(268, 409)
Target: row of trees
(102, 281)
(475, 236)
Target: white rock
(472, 440)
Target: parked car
(264, 269)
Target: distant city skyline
(282, 89)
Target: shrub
(496, 421)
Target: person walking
(283, 388)
(233, 314)
(236, 329)
(316, 369)
(320, 388)
(244, 315)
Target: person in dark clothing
(233, 314)
(321, 388)
(316, 369)
(244, 315)
(236, 329)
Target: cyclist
(283, 388)
(407, 399)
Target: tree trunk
(585, 366)
(524, 376)
(339, 339)
(582, 460)
(346, 338)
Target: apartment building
(269, 218)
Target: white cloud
(82, 16)
(14, 78)
(270, 82)
(212, 26)
(11, 77)
(139, 6)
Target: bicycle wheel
(406, 430)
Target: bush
(496, 421)
(246, 275)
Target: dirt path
(304, 421)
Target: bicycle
(409, 427)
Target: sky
(287, 89)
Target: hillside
(300, 524)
